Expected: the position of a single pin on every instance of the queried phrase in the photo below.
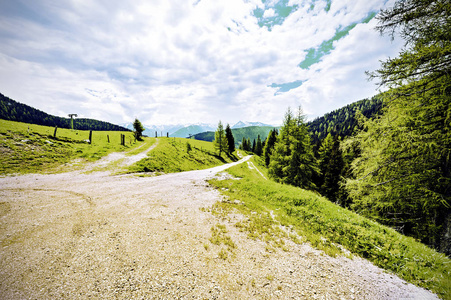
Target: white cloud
(183, 61)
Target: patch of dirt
(79, 236)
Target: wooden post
(108, 137)
(167, 134)
(156, 134)
(122, 140)
(54, 133)
(90, 136)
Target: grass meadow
(178, 154)
(29, 148)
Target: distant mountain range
(338, 122)
(184, 131)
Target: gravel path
(81, 236)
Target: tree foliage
(230, 139)
(138, 129)
(403, 177)
(19, 112)
(220, 141)
(269, 145)
(292, 160)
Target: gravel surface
(81, 236)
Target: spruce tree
(220, 141)
(292, 161)
(258, 146)
(269, 145)
(230, 139)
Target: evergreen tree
(258, 146)
(243, 144)
(332, 172)
(230, 139)
(220, 141)
(292, 161)
(269, 145)
(403, 175)
(138, 129)
(254, 146)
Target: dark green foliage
(269, 145)
(343, 121)
(250, 132)
(292, 160)
(138, 129)
(220, 141)
(230, 139)
(15, 111)
(258, 146)
(331, 169)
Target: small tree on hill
(220, 141)
(138, 129)
(230, 139)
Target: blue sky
(190, 61)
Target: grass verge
(326, 226)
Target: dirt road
(82, 236)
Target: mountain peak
(241, 124)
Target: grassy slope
(24, 150)
(172, 155)
(325, 225)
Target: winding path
(79, 236)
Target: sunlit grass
(179, 154)
(326, 226)
(28, 148)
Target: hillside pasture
(30, 148)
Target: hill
(251, 133)
(191, 130)
(343, 120)
(14, 111)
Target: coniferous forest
(387, 158)
(15, 111)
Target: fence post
(54, 133)
(90, 136)
(108, 137)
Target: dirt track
(80, 236)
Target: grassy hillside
(251, 132)
(326, 225)
(27, 148)
(178, 154)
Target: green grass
(29, 148)
(326, 226)
(174, 155)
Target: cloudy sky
(190, 61)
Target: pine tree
(230, 139)
(269, 145)
(332, 172)
(292, 161)
(220, 141)
(258, 146)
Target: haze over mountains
(185, 130)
